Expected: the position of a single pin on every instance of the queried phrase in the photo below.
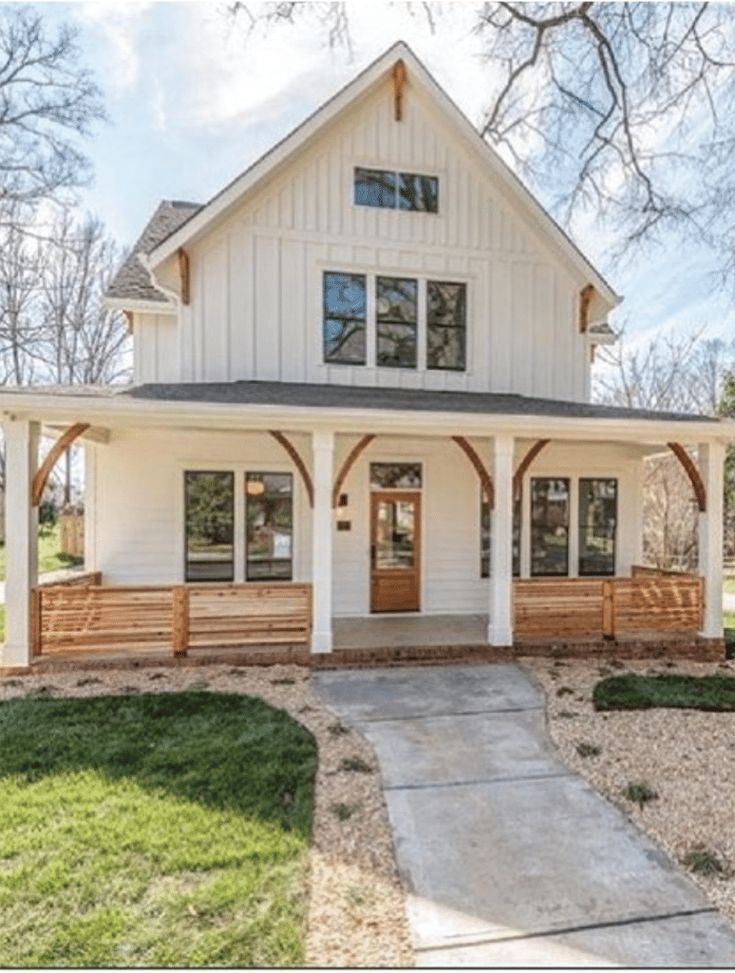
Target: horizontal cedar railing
(92, 617)
(645, 604)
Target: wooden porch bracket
(183, 258)
(347, 465)
(60, 446)
(525, 463)
(485, 478)
(284, 441)
(585, 298)
(399, 82)
(695, 478)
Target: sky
(193, 99)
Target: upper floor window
(446, 325)
(397, 316)
(344, 318)
(396, 190)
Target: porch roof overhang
(354, 409)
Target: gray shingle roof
(132, 282)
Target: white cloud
(116, 26)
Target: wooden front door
(395, 551)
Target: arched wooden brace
(690, 468)
(485, 478)
(52, 457)
(525, 463)
(298, 462)
(349, 462)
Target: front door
(395, 551)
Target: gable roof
(132, 282)
(232, 194)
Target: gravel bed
(686, 756)
(356, 904)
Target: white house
(361, 387)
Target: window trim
(597, 574)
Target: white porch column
(321, 540)
(711, 466)
(21, 538)
(500, 628)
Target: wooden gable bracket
(284, 441)
(485, 478)
(399, 83)
(347, 465)
(525, 463)
(183, 258)
(695, 478)
(129, 318)
(52, 457)
(585, 298)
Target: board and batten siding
(136, 529)
(256, 278)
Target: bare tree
(20, 268)
(47, 102)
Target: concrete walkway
(511, 859)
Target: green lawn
(50, 557)
(729, 583)
(715, 692)
(153, 830)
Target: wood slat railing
(99, 618)
(645, 604)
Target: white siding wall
(139, 508)
(256, 280)
(155, 348)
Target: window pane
(387, 476)
(375, 187)
(418, 192)
(209, 504)
(549, 526)
(597, 524)
(269, 526)
(344, 318)
(446, 325)
(396, 321)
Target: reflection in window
(446, 325)
(375, 187)
(209, 515)
(269, 526)
(419, 193)
(486, 531)
(344, 318)
(395, 537)
(549, 526)
(397, 320)
(395, 476)
(598, 502)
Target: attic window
(396, 190)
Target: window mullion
(421, 326)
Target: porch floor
(381, 631)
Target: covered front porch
(519, 532)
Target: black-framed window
(375, 187)
(598, 515)
(397, 321)
(549, 526)
(386, 189)
(486, 535)
(209, 518)
(418, 193)
(446, 325)
(345, 307)
(268, 526)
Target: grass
(729, 583)
(640, 794)
(153, 830)
(343, 812)
(355, 765)
(50, 557)
(588, 750)
(715, 692)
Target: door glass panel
(394, 535)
